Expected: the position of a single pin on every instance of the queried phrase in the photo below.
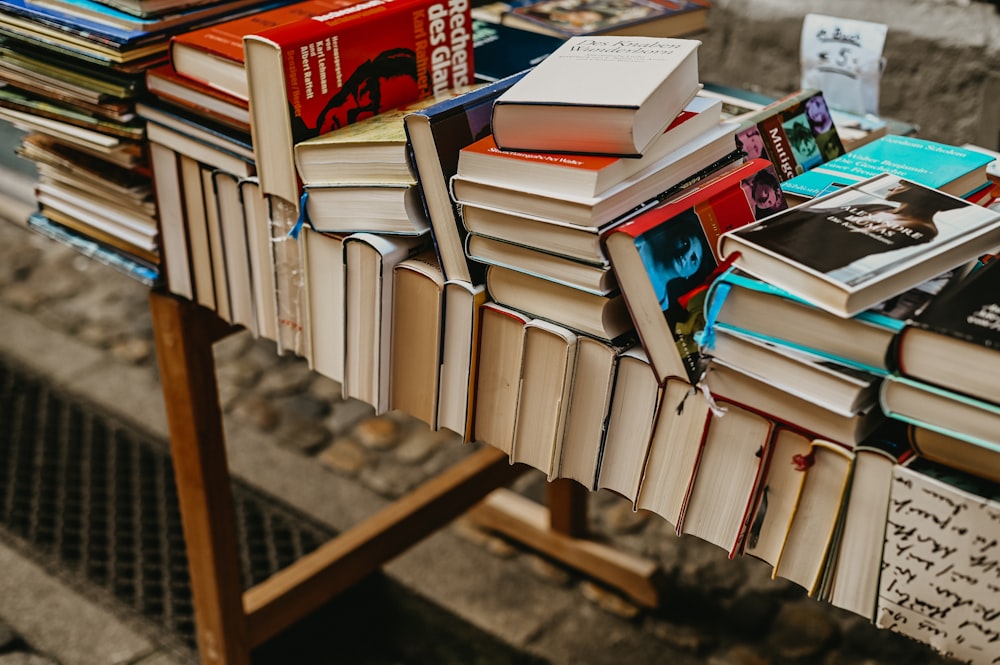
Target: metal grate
(93, 499)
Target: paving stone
(346, 414)
(379, 433)
(680, 637)
(801, 631)
(289, 378)
(257, 411)
(739, 655)
(326, 389)
(344, 455)
(8, 637)
(25, 658)
(609, 601)
(421, 444)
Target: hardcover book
(864, 243)
(502, 50)
(340, 66)
(568, 18)
(955, 341)
(435, 136)
(164, 82)
(796, 133)
(500, 345)
(581, 175)
(599, 95)
(952, 169)
(669, 251)
(459, 360)
(938, 567)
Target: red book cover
(223, 41)
(164, 82)
(665, 257)
(326, 71)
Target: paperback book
(568, 18)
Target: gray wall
(943, 58)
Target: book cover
(955, 341)
(503, 50)
(581, 175)
(164, 82)
(863, 243)
(796, 133)
(341, 66)
(435, 136)
(953, 169)
(568, 18)
(667, 252)
(938, 581)
(213, 55)
(599, 95)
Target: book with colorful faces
(581, 175)
(864, 243)
(567, 18)
(952, 169)
(669, 251)
(338, 67)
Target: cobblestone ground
(721, 611)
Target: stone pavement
(290, 434)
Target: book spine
(778, 147)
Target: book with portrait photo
(859, 245)
(567, 18)
(669, 251)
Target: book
(572, 241)
(285, 247)
(634, 406)
(581, 175)
(262, 268)
(85, 245)
(890, 234)
(955, 341)
(603, 316)
(596, 279)
(357, 61)
(415, 360)
(372, 150)
(578, 454)
(689, 164)
(173, 233)
(817, 510)
(796, 133)
(851, 574)
(196, 225)
(674, 447)
(777, 494)
(501, 343)
(665, 252)
(165, 19)
(742, 303)
(954, 452)
(323, 257)
(598, 95)
(502, 50)
(369, 261)
(834, 386)
(169, 86)
(939, 565)
(730, 462)
(730, 383)
(435, 135)
(547, 364)
(346, 208)
(457, 394)
(952, 169)
(567, 18)
(932, 407)
(213, 55)
(235, 248)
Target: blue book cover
(955, 170)
(502, 50)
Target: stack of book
(74, 72)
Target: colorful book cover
(664, 258)
(338, 67)
(501, 50)
(796, 133)
(925, 162)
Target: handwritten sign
(940, 580)
(843, 58)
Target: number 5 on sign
(843, 58)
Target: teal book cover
(928, 163)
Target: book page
(941, 566)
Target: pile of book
(74, 72)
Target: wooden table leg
(184, 336)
